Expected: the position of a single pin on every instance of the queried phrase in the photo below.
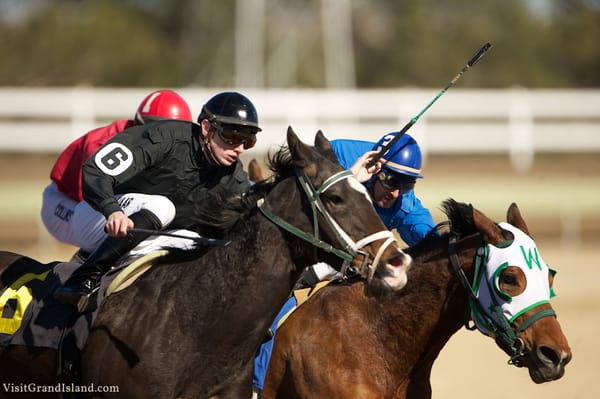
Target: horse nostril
(545, 352)
(400, 260)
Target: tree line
(423, 43)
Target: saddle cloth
(30, 316)
(301, 295)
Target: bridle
(347, 248)
(499, 327)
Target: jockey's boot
(85, 281)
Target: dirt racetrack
(559, 197)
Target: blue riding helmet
(404, 157)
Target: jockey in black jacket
(149, 176)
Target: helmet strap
(206, 150)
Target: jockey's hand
(359, 169)
(117, 224)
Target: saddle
(30, 316)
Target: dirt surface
(559, 197)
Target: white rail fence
(519, 122)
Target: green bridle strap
(474, 304)
(348, 252)
(317, 205)
(536, 316)
(304, 236)
(327, 183)
(503, 330)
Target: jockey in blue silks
(391, 186)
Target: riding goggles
(235, 135)
(394, 181)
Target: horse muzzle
(390, 265)
(545, 364)
(394, 270)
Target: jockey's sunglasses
(393, 181)
(234, 135)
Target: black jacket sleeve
(117, 161)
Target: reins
(349, 249)
(502, 329)
(299, 233)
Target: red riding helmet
(163, 104)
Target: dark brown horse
(317, 353)
(189, 327)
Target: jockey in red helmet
(151, 177)
(163, 104)
(63, 194)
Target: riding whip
(482, 51)
(199, 239)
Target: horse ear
(321, 141)
(488, 228)
(513, 216)
(323, 145)
(255, 172)
(302, 154)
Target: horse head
(512, 288)
(339, 208)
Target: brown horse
(189, 327)
(316, 353)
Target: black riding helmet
(230, 108)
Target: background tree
(172, 43)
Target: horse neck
(431, 308)
(288, 202)
(253, 276)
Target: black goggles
(235, 135)
(394, 181)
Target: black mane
(217, 215)
(460, 221)
(460, 216)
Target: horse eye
(334, 199)
(509, 279)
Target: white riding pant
(78, 224)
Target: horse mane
(280, 163)
(460, 216)
(460, 221)
(218, 215)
